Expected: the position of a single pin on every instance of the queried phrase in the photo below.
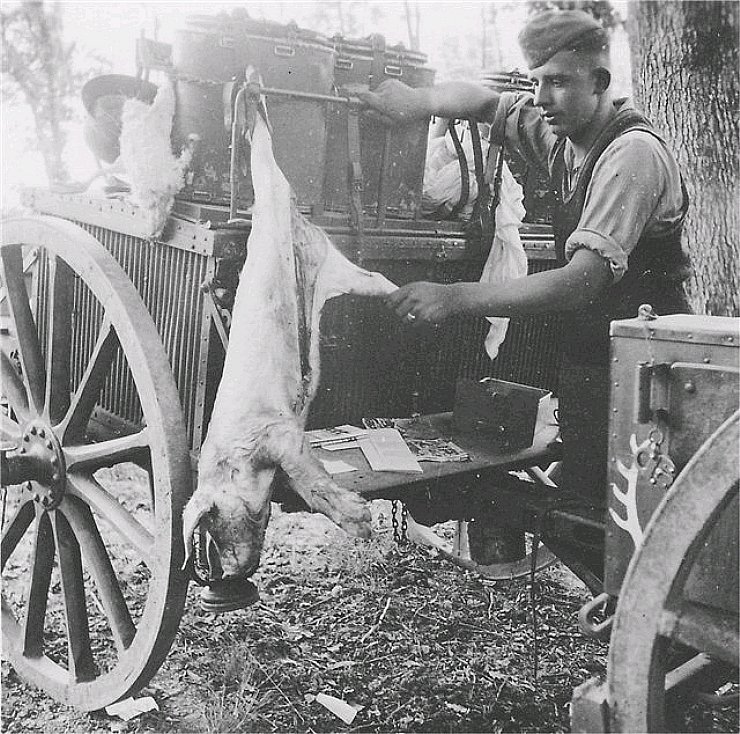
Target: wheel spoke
(16, 529)
(34, 373)
(13, 388)
(81, 665)
(9, 429)
(121, 520)
(38, 590)
(61, 282)
(93, 456)
(84, 400)
(100, 568)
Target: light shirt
(635, 188)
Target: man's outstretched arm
(573, 287)
(401, 103)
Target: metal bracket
(603, 603)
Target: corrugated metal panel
(371, 364)
(168, 280)
(374, 366)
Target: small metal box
(674, 380)
(506, 411)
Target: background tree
(37, 66)
(685, 61)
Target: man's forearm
(401, 103)
(459, 99)
(564, 289)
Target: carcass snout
(234, 514)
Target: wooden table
(450, 490)
(485, 458)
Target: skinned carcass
(270, 376)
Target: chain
(651, 458)
(400, 530)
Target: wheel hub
(39, 463)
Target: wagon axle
(37, 464)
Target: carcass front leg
(288, 448)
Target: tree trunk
(684, 61)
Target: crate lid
(365, 47)
(239, 23)
(693, 328)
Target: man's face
(565, 92)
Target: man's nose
(541, 96)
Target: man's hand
(428, 303)
(397, 102)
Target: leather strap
(354, 176)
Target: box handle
(285, 51)
(344, 63)
(392, 70)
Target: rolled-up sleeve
(627, 188)
(521, 127)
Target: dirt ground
(418, 643)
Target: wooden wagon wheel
(92, 587)
(650, 603)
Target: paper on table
(385, 450)
(337, 467)
(340, 445)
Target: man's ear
(602, 79)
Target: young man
(617, 224)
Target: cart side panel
(168, 280)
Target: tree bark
(684, 61)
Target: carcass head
(232, 504)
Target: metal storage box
(399, 152)
(211, 51)
(506, 411)
(680, 375)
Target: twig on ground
(378, 623)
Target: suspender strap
(464, 175)
(354, 175)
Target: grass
(418, 643)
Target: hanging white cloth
(506, 259)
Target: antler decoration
(628, 497)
